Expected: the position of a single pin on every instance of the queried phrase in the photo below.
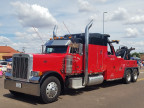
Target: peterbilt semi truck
(71, 61)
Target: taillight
(0, 66)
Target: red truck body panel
(49, 62)
(111, 66)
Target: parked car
(3, 66)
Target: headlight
(36, 73)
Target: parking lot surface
(112, 94)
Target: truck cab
(73, 61)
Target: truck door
(113, 64)
(77, 60)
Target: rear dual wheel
(134, 75)
(128, 77)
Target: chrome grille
(20, 67)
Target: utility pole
(103, 20)
(23, 49)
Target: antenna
(38, 35)
(66, 28)
(40, 38)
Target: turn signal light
(36, 73)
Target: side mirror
(81, 49)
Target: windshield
(56, 49)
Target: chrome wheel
(51, 90)
(135, 75)
(128, 77)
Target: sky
(27, 24)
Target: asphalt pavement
(112, 94)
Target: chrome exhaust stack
(54, 31)
(81, 82)
(86, 52)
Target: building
(7, 52)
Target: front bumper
(26, 87)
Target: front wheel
(50, 89)
(127, 78)
(134, 75)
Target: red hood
(48, 62)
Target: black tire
(50, 90)
(134, 75)
(127, 77)
(15, 93)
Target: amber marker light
(40, 73)
(61, 37)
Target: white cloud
(28, 37)
(94, 17)
(131, 33)
(140, 11)
(136, 20)
(33, 15)
(4, 40)
(85, 6)
(100, 0)
(143, 30)
(75, 13)
(119, 14)
(32, 30)
(31, 40)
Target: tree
(135, 54)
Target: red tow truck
(73, 61)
